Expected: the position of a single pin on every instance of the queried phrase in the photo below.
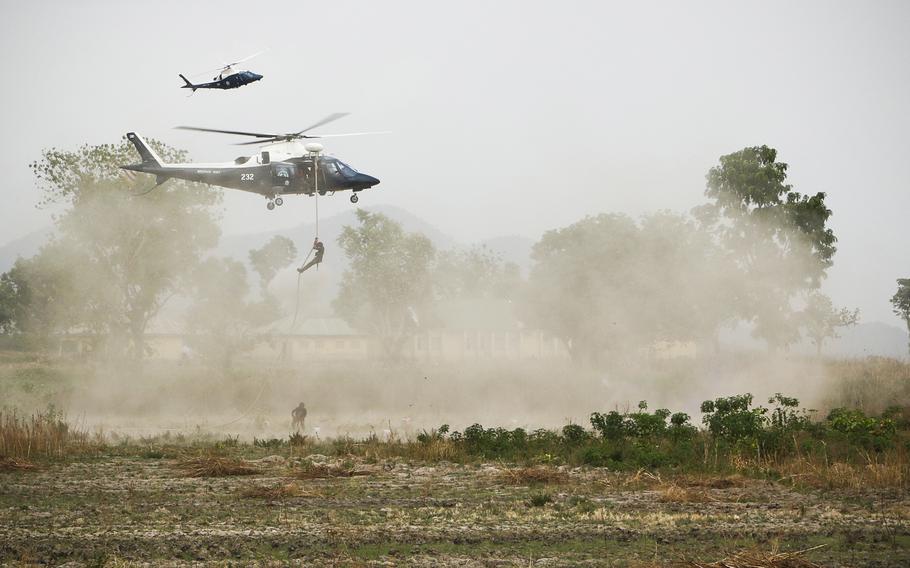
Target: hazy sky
(507, 117)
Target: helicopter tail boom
(149, 157)
(188, 84)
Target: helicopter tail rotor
(188, 84)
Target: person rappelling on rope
(319, 249)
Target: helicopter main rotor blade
(268, 141)
(237, 132)
(247, 58)
(227, 66)
(307, 137)
(348, 134)
(331, 118)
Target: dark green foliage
(574, 435)
(611, 426)
(658, 440)
(785, 416)
(731, 419)
(680, 430)
(271, 443)
(865, 431)
(432, 435)
(901, 302)
(778, 239)
(495, 442)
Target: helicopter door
(281, 175)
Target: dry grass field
(82, 496)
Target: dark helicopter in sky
(227, 77)
(283, 167)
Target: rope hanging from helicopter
(281, 353)
(315, 240)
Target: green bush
(574, 435)
(867, 432)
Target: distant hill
(873, 338)
(25, 247)
(863, 340)
(512, 248)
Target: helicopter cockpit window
(346, 170)
(331, 168)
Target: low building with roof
(308, 339)
(482, 329)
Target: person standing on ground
(298, 416)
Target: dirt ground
(118, 511)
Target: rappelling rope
(290, 328)
(305, 260)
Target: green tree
(133, 251)
(901, 302)
(222, 322)
(388, 284)
(8, 294)
(477, 272)
(39, 296)
(690, 287)
(778, 238)
(822, 320)
(608, 286)
(272, 257)
(582, 286)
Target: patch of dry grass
(684, 488)
(644, 478)
(42, 434)
(273, 492)
(15, 464)
(887, 473)
(323, 471)
(215, 466)
(439, 449)
(533, 475)
(673, 493)
(726, 482)
(760, 559)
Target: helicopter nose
(256, 76)
(367, 181)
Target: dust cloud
(364, 398)
(623, 310)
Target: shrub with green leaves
(867, 432)
(733, 420)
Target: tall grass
(41, 435)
